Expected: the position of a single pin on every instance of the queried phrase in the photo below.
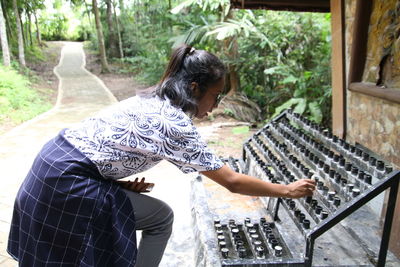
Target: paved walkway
(80, 95)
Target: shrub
(18, 101)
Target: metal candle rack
(348, 176)
(250, 243)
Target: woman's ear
(195, 89)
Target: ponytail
(176, 61)
(188, 65)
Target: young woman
(72, 211)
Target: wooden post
(338, 68)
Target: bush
(18, 102)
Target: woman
(70, 209)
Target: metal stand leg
(278, 202)
(309, 252)
(388, 224)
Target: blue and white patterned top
(136, 134)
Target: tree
(230, 49)
(28, 24)
(21, 52)
(87, 11)
(8, 23)
(4, 40)
(112, 34)
(100, 38)
(35, 6)
(38, 35)
(121, 52)
(121, 6)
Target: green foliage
(18, 102)
(147, 29)
(54, 27)
(292, 67)
(282, 58)
(82, 33)
(65, 22)
(34, 54)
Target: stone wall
(371, 121)
(374, 123)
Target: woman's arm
(248, 185)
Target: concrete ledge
(210, 201)
(203, 224)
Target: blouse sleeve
(189, 152)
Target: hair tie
(192, 50)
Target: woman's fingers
(309, 187)
(136, 185)
(141, 186)
(301, 188)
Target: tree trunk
(22, 31)
(6, 21)
(100, 37)
(232, 54)
(112, 35)
(121, 7)
(4, 40)
(230, 48)
(38, 35)
(29, 27)
(88, 12)
(21, 52)
(121, 52)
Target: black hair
(188, 65)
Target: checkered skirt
(66, 214)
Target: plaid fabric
(65, 214)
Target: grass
(18, 101)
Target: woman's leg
(154, 217)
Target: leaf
(288, 104)
(271, 70)
(307, 74)
(227, 8)
(289, 79)
(177, 40)
(193, 34)
(181, 6)
(224, 30)
(301, 106)
(240, 130)
(315, 110)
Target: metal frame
(391, 181)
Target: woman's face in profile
(209, 101)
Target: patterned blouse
(136, 134)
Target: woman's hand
(248, 185)
(301, 188)
(136, 186)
